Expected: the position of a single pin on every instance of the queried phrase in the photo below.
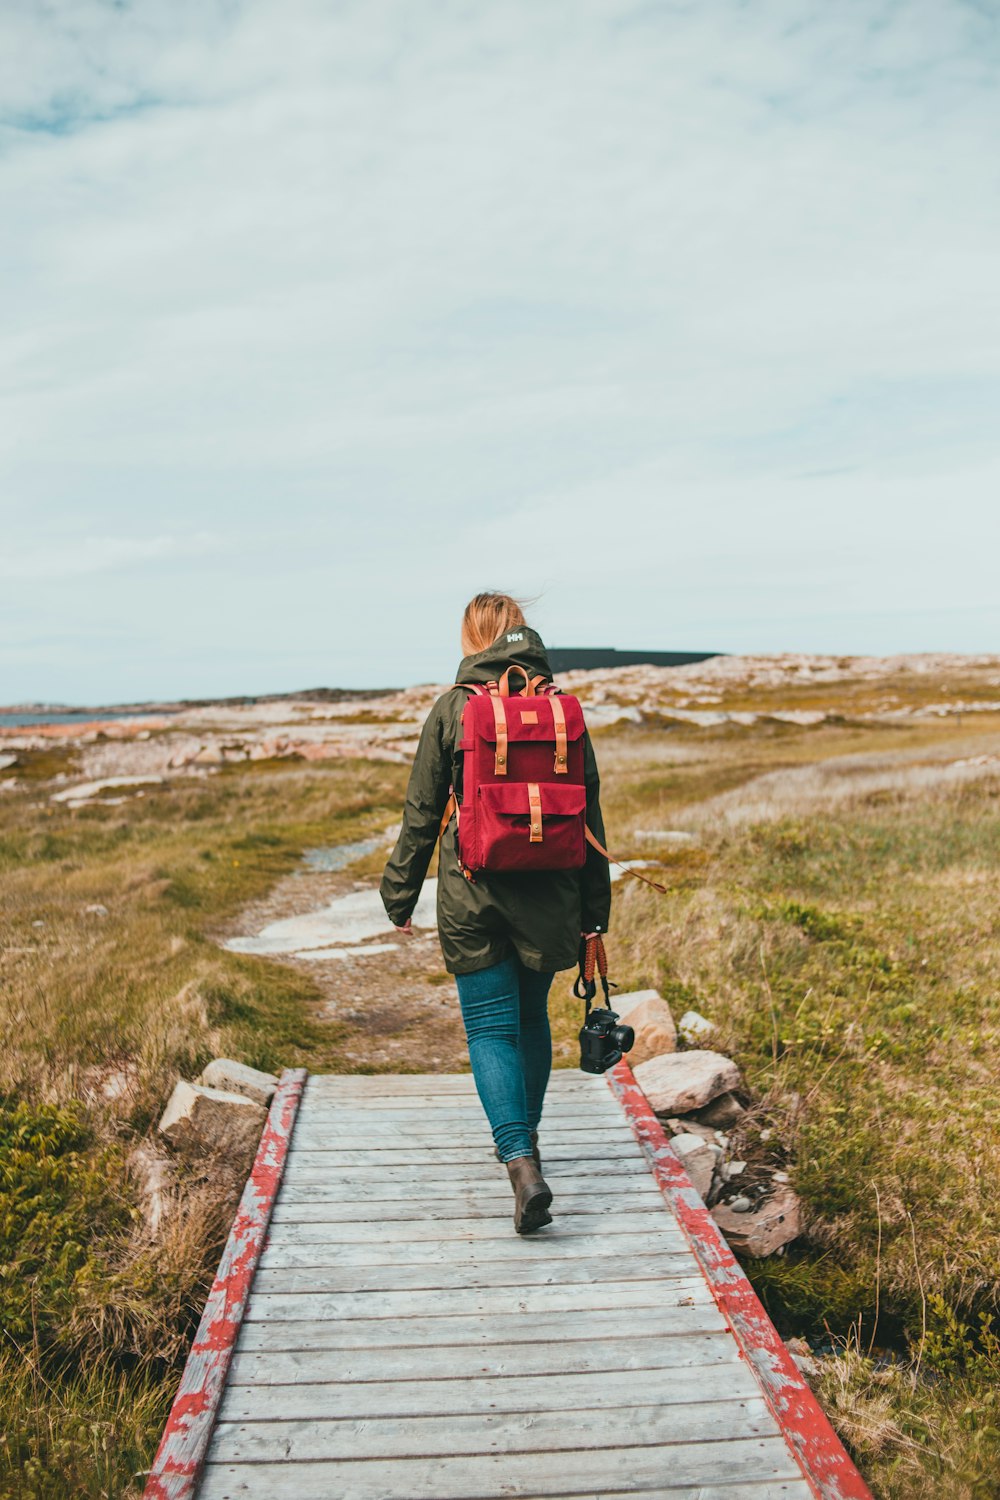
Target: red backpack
(524, 801)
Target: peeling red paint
(820, 1454)
(185, 1440)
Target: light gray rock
(6, 761)
(205, 1119)
(770, 1226)
(654, 1030)
(693, 1027)
(236, 1078)
(698, 1160)
(624, 1003)
(684, 1081)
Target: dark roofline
(587, 658)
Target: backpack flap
(530, 826)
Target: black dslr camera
(602, 1041)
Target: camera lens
(624, 1038)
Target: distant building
(586, 658)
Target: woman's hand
(407, 928)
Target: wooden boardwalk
(398, 1340)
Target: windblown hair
(487, 617)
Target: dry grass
(841, 928)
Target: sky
(680, 319)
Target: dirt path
(393, 993)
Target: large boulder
(626, 1003)
(204, 1119)
(654, 1030)
(762, 1229)
(236, 1078)
(685, 1081)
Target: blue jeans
(506, 1015)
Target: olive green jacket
(538, 915)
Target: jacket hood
(522, 646)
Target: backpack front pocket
(530, 826)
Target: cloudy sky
(319, 317)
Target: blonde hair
(486, 619)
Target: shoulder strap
(596, 844)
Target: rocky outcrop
(232, 1077)
(200, 1119)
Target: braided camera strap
(593, 959)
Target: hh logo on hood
(516, 635)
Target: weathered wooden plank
(492, 1188)
(488, 1182)
(387, 1137)
(663, 1469)
(575, 1108)
(539, 1271)
(319, 1210)
(475, 1301)
(288, 1250)
(489, 1359)
(566, 1328)
(617, 1234)
(493, 1432)
(385, 1084)
(553, 1157)
(627, 1392)
(329, 1163)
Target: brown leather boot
(532, 1195)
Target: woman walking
(503, 935)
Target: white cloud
(354, 286)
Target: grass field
(836, 916)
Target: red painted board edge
(184, 1444)
(821, 1456)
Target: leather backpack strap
(559, 720)
(500, 720)
(451, 806)
(528, 690)
(596, 844)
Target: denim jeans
(506, 1015)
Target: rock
(203, 1119)
(740, 1205)
(693, 1027)
(6, 761)
(90, 789)
(623, 1004)
(733, 1169)
(698, 1160)
(95, 909)
(152, 1173)
(775, 1222)
(236, 1078)
(722, 1113)
(690, 1126)
(208, 755)
(654, 1030)
(684, 1081)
